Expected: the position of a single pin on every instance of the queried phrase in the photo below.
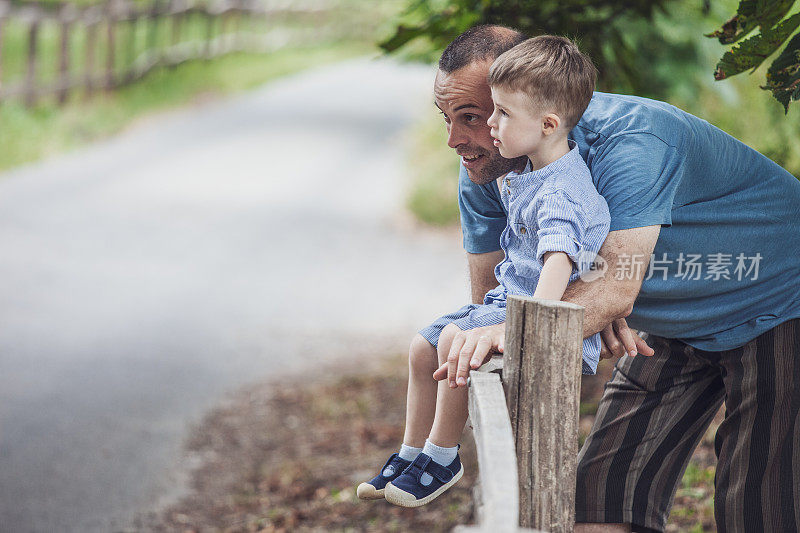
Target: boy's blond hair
(552, 71)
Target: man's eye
(470, 118)
(446, 118)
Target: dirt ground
(287, 457)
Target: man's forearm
(602, 305)
(481, 273)
(612, 296)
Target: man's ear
(550, 123)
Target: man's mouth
(470, 160)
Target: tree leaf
(753, 51)
(751, 14)
(783, 76)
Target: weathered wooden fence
(526, 425)
(103, 46)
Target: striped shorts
(655, 410)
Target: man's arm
(481, 273)
(608, 298)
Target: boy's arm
(554, 276)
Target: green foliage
(433, 198)
(600, 27)
(783, 76)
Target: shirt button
(523, 230)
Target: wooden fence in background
(122, 40)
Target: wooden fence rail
(526, 430)
(113, 50)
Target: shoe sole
(365, 491)
(405, 499)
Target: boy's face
(517, 128)
(464, 99)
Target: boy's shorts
(470, 316)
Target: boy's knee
(446, 339)
(422, 354)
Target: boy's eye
(503, 112)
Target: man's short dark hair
(486, 41)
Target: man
(720, 299)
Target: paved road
(145, 277)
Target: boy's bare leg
(451, 404)
(421, 398)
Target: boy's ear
(550, 123)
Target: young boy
(556, 224)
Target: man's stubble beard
(496, 166)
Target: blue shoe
(373, 489)
(422, 481)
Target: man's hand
(469, 350)
(618, 339)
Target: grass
(30, 134)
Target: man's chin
(479, 178)
(487, 169)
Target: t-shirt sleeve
(482, 215)
(638, 174)
(561, 226)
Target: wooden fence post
(66, 16)
(132, 14)
(91, 21)
(111, 56)
(4, 8)
(177, 9)
(30, 71)
(541, 375)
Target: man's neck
(549, 152)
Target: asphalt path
(145, 277)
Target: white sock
(442, 456)
(409, 453)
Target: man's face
(465, 100)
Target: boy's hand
(469, 350)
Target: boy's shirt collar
(528, 176)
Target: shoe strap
(424, 463)
(396, 459)
(391, 460)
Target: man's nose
(455, 136)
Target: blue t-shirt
(726, 267)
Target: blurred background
(223, 221)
